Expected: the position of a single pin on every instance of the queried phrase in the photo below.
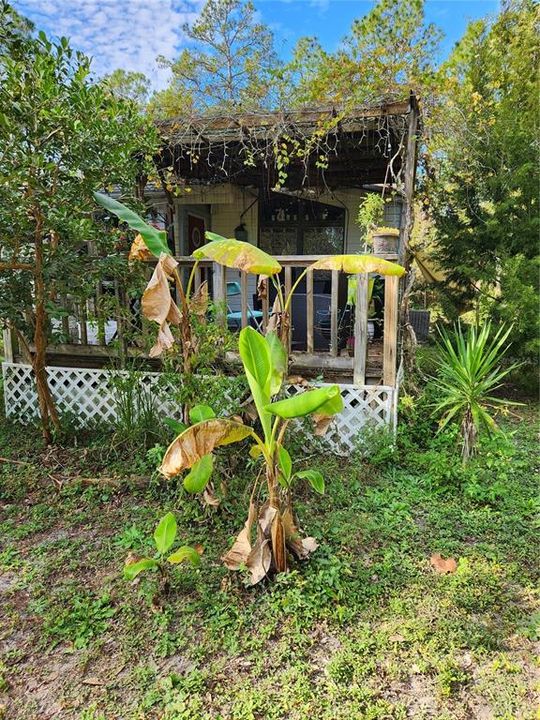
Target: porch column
(391, 291)
(360, 330)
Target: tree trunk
(47, 407)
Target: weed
(85, 619)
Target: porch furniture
(234, 318)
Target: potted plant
(384, 240)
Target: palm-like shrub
(469, 371)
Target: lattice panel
(88, 395)
(364, 405)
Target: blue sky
(132, 33)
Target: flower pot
(385, 243)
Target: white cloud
(127, 34)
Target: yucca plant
(469, 371)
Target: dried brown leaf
(442, 566)
(200, 440)
(321, 423)
(199, 302)
(157, 304)
(209, 498)
(274, 321)
(241, 548)
(299, 546)
(138, 250)
(262, 287)
(278, 544)
(266, 518)
(259, 561)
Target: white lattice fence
(89, 395)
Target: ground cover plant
(367, 629)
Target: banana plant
(157, 302)
(264, 362)
(164, 538)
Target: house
(290, 183)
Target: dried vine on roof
(306, 143)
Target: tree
(128, 85)
(387, 52)
(482, 167)
(229, 67)
(61, 137)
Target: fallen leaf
(209, 498)
(92, 681)
(442, 566)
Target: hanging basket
(385, 241)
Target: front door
(195, 233)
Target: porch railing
(102, 329)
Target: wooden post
(65, 320)
(288, 286)
(391, 289)
(265, 302)
(244, 298)
(99, 315)
(198, 279)
(334, 309)
(9, 345)
(220, 293)
(83, 318)
(408, 182)
(360, 330)
(406, 332)
(309, 311)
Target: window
(291, 226)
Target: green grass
(364, 630)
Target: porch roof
(360, 146)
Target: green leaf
(325, 400)
(255, 354)
(278, 360)
(201, 412)
(332, 406)
(154, 239)
(314, 477)
(239, 255)
(199, 475)
(165, 533)
(133, 569)
(185, 553)
(175, 425)
(285, 463)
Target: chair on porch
(234, 317)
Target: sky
(130, 34)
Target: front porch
(339, 329)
